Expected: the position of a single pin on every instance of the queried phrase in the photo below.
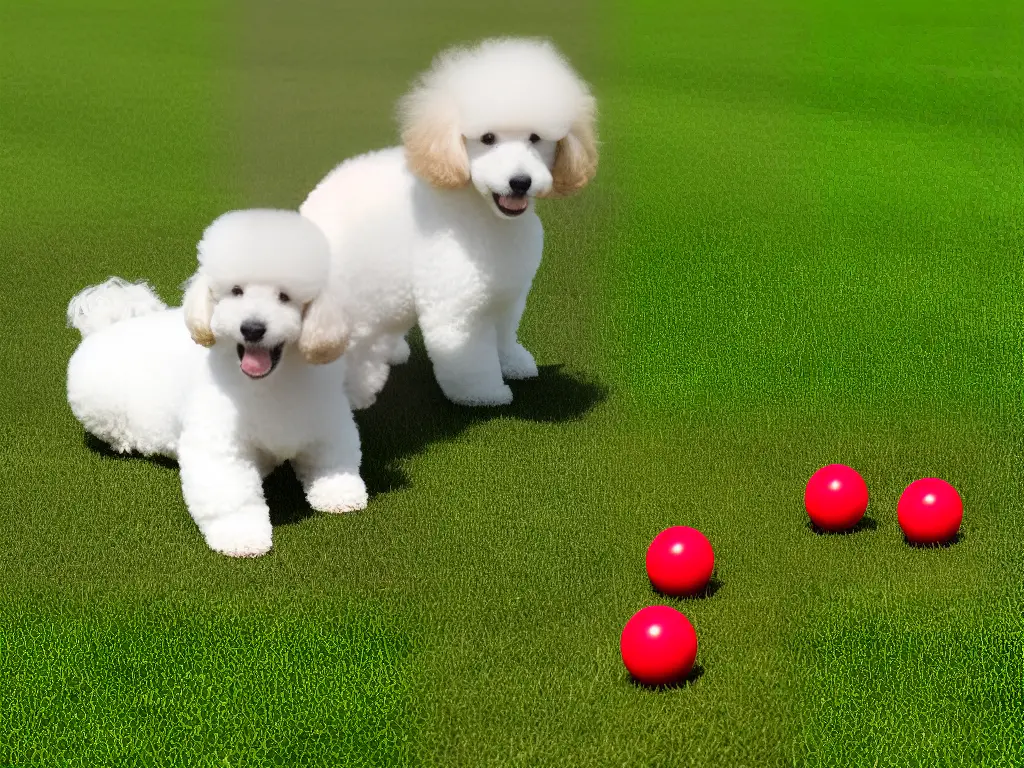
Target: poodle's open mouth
(511, 205)
(256, 361)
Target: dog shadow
(412, 413)
(281, 488)
(100, 448)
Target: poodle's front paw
(400, 352)
(498, 396)
(518, 364)
(337, 493)
(239, 535)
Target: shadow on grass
(709, 591)
(100, 448)
(281, 489)
(695, 674)
(865, 524)
(412, 413)
(943, 545)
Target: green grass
(833, 198)
(802, 247)
(930, 687)
(157, 686)
(819, 262)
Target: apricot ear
(198, 306)
(324, 335)
(434, 147)
(577, 153)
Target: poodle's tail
(111, 302)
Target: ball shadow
(865, 524)
(412, 413)
(709, 591)
(695, 674)
(939, 545)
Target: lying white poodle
(232, 412)
(442, 231)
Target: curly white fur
(442, 231)
(138, 382)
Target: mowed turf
(818, 261)
(123, 642)
(802, 248)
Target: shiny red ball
(680, 561)
(836, 497)
(658, 645)
(930, 511)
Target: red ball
(680, 561)
(658, 645)
(836, 497)
(930, 511)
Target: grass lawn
(803, 247)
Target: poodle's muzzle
(258, 361)
(515, 203)
(511, 168)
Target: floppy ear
(576, 156)
(198, 306)
(324, 336)
(434, 148)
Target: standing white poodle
(232, 412)
(442, 231)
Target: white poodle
(442, 231)
(232, 412)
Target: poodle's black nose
(253, 330)
(520, 184)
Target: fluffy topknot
(274, 247)
(500, 84)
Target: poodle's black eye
(237, 291)
(488, 139)
(284, 297)
(534, 138)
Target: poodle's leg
(464, 352)
(366, 373)
(400, 351)
(223, 490)
(516, 360)
(329, 471)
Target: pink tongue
(512, 203)
(256, 361)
